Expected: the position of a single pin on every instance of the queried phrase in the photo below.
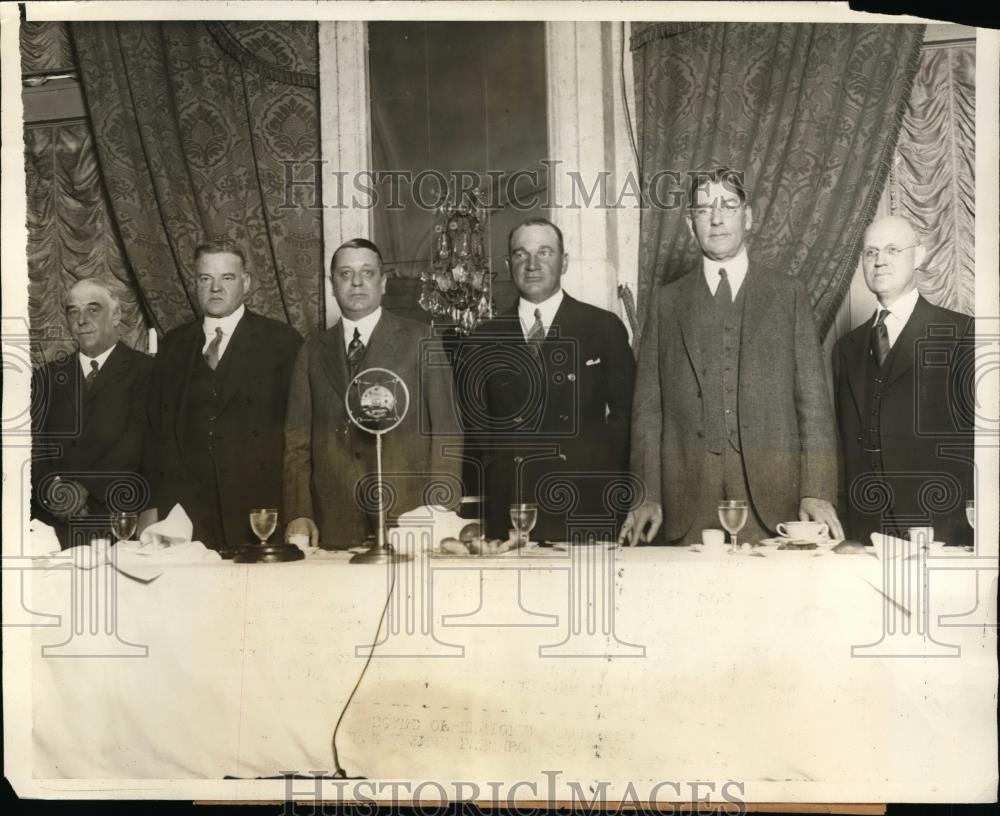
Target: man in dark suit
(217, 406)
(731, 399)
(546, 395)
(901, 379)
(89, 424)
(330, 464)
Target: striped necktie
(537, 332)
(92, 374)
(355, 351)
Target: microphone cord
(338, 770)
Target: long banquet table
(806, 676)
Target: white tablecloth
(720, 667)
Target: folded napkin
(889, 548)
(424, 527)
(176, 528)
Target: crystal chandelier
(459, 284)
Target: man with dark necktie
(217, 406)
(546, 395)
(88, 420)
(900, 379)
(330, 466)
(731, 400)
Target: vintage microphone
(377, 401)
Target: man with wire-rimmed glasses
(731, 401)
(900, 381)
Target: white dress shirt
(228, 326)
(548, 309)
(736, 271)
(101, 359)
(365, 326)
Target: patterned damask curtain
(809, 112)
(933, 179)
(70, 235)
(196, 125)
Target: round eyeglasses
(891, 251)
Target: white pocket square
(595, 361)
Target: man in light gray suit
(330, 469)
(731, 400)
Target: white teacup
(803, 530)
(300, 540)
(713, 538)
(921, 535)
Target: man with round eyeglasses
(731, 401)
(902, 387)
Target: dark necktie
(355, 351)
(92, 375)
(212, 352)
(723, 293)
(536, 334)
(880, 338)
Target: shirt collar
(902, 307)
(101, 359)
(736, 270)
(227, 323)
(548, 309)
(365, 326)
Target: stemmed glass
(123, 525)
(523, 517)
(263, 521)
(733, 516)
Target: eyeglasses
(727, 209)
(891, 251)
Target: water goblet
(733, 516)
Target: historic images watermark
(551, 186)
(317, 792)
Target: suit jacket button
(571, 377)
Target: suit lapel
(385, 346)
(334, 357)
(688, 305)
(906, 343)
(238, 361)
(858, 350)
(180, 371)
(758, 298)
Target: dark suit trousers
(723, 477)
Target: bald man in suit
(901, 379)
(88, 433)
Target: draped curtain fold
(933, 179)
(70, 235)
(810, 114)
(198, 127)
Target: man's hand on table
(303, 525)
(634, 529)
(66, 499)
(820, 510)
